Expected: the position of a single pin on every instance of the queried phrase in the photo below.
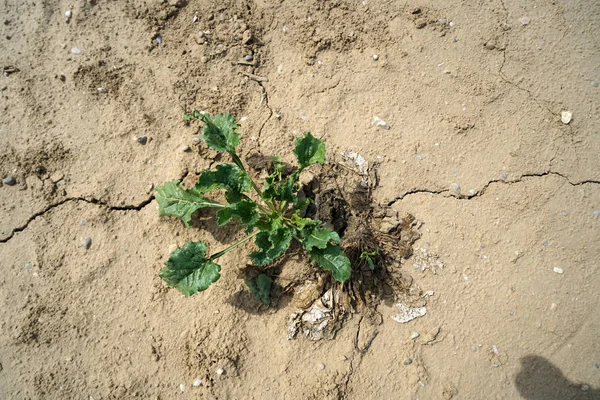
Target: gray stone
(456, 188)
(9, 180)
(87, 243)
(249, 58)
(142, 140)
(408, 361)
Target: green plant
(273, 217)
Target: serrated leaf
(189, 271)
(314, 235)
(333, 259)
(244, 210)
(271, 243)
(281, 188)
(227, 176)
(309, 150)
(219, 132)
(261, 288)
(174, 200)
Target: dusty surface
(476, 104)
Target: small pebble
(375, 57)
(505, 176)
(204, 59)
(414, 335)
(142, 140)
(249, 58)
(197, 382)
(419, 157)
(566, 117)
(597, 213)
(102, 90)
(451, 24)
(185, 148)
(443, 21)
(220, 371)
(9, 180)
(490, 46)
(456, 188)
(321, 367)
(553, 306)
(472, 192)
(408, 361)
(87, 243)
(181, 387)
(28, 266)
(585, 388)
(525, 21)
(474, 349)
(594, 83)
(68, 14)
(76, 50)
(564, 213)
(196, 140)
(558, 270)
(82, 222)
(158, 39)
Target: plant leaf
(174, 200)
(271, 243)
(333, 259)
(244, 210)
(309, 150)
(189, 271)
(227, 176)
(261, 288)
(219, 131)
(314, 235)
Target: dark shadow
(541, 380)
(205, 219)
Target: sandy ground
(473, 92)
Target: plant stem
(236, 244)
(240, 165)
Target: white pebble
(185, 148)
(321, 366)
(375, 57)
(243, 119)
(525, 21)
(181, 387)
(414, 335)
(597, 213)
(456, 188)
(558, 270)
(472, 192)
(197, 382)
(220, 371)
(451, 24)
(68, 13)
(76, 50)
(566, 117)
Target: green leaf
(219, 132)
(314, 235)
(271, 243)
(261, 288)
(189, 271)
(367, 255)
(309, 150)
(333, 259)
(227, 176)
(281, 188)
(174, 200)
(244, 210)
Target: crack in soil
(487, 185)
(92, 200)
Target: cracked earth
(473, 95)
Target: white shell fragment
(558, 270)
(197, 382)
(566, 117)
(407, 314)
(378, 122)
